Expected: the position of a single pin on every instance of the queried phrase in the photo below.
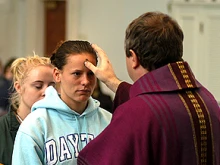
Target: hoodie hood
(53, 101)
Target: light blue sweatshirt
(54, 134)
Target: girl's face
(76, 81)
(34, 86)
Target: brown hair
(156, 39)
(64, 49)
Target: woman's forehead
(81, 58)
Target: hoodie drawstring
(86, 130)
(78, 130)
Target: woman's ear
(134, 59)
(56, 74)
(17, 87)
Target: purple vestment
(170, 119)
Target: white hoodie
(54, 134)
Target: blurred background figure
(7, 69)
(5, 85)
(104, 99)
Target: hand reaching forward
(104, 71)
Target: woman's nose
(85, 80)
(43, 93)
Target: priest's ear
(134, 59)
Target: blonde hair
(20, 69)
